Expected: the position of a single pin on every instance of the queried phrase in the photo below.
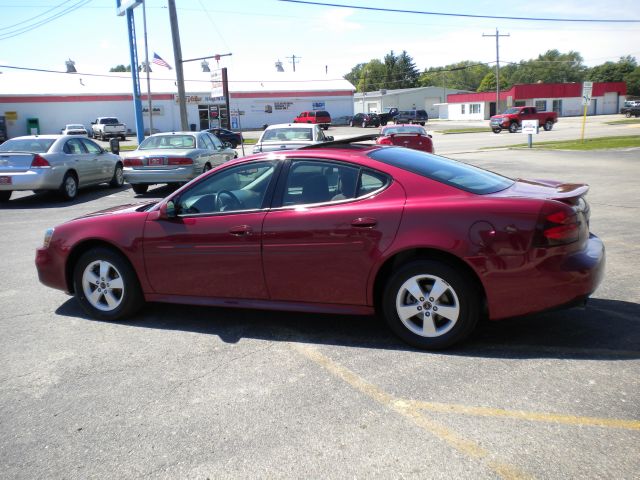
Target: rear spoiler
(564, 191)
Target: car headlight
(47, 237)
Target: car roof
(173, 133)
(46, 137)
(294, 125)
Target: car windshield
(287, 134)
(35, 145)
(74, 125)
(456, 174)
(404, 129)
(511, 111)
(168, 141)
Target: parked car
(512, 119)
(431, 244)
(289, 136)
(410, 136)
(412, 116)
(175, 157)
(319, 117)
(387, 115)
(233, 138)
(108, 127)
(631, 111)
(365, 120)
(74, 129)
(58, 163)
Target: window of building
(462, 108)
(557, 106)
(519, 103)
(541, 105)
(474, 108)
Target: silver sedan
(176, 157)
(55, 162)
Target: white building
(52, 100)
(421, 98)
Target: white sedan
(175, 157)
(290, 136)
(74, 129)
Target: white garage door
(610, 104)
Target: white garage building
(48, 101)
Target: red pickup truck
(512, 119)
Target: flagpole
(146, 60)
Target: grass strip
(627, 121)
(598, 143)
(450, 131)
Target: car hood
(501, 116)
(120, 209)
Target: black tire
(364, 124)
(207, 167)
(140, 188)
(457, 293)
(422, 124)
(351, 123)
(234, 144)
(496, 130)
(383, 123)
(5, 195)
(118, 177)
(627, 114)
(97, 295)
(123, 137)
(69, 187)
(513, 128)
(548, 125)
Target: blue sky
(260, 32)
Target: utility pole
(497, 35)
(177, 54)
(146, 59)
(293, 61)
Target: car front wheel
(548, 125)
(430, 305)
(513, 128)
(118, 177)
(496, 130)
(106, 285)
(364, 124)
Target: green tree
(120, 68)
(613, 71)
(633, 82)
(405, 72)
(465, 75)
(355, 74)
(373, 76)
(488, 83)
(550, 67)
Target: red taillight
(181, 161)
(384, 141)
(39, 162)
(132, 162)
(558, 225)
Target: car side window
(370, 182)
(238, 188)
(91, 147)
(310, 181)
(207, 143)
(74, 147)
(217, 144)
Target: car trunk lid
(15, 162)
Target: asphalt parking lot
(188, 392)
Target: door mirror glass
(168, 210)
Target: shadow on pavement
(604, 330)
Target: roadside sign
(530, 126)
(587, 88)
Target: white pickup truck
(108, 127)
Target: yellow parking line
(530, 416)
(409, 410)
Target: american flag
(157, 59)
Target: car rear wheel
(513, 128)
(5, 195)
(106, 285)
(430, 305)
(496, 130)
(364, 124)
(351, 123)
(548, 125)
(140, 188)
(118, 177)
(69, 187)
(627, 114)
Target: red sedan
(430, 243)
(410, 136)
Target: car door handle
(241, 230)
(364, 222)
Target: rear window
(168, 141)
(109, 121)
(35, 145)
(322, 113)
(456, 174)
(286, 134)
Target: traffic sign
(587, 88)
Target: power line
(28, 28)
(462, 15)
(37, 16)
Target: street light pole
(177, 53)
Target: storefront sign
(11, 115)
(318, 105)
